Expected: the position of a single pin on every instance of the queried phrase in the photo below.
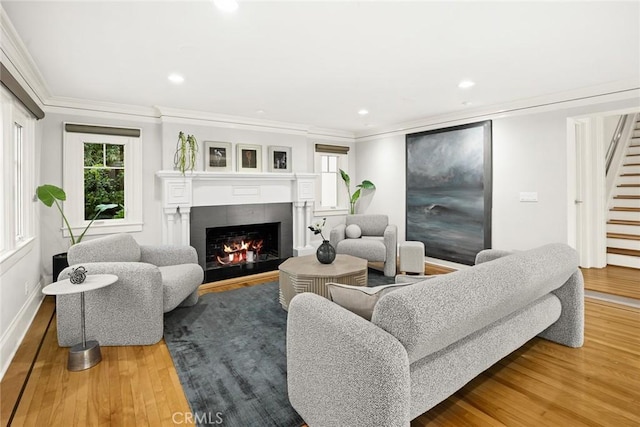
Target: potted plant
(186, 151)
(353, 198)
(50, 195)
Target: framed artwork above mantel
(249, 157)
(217, 156)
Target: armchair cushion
(369, 249)
(353, 231)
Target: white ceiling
(318, 63)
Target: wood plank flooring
(614, 280)
(542, 383)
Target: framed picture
(279, 159)
(217, 156)
(449, 191)
(249, 158)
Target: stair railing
(613, 145)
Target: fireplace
(237, 240)
(248, 247)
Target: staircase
(623, 226)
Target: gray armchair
(152, 280)
(378, 241)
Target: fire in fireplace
(252, 247)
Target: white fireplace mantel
(182, 192)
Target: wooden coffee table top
(309, 266)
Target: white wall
(529, 154)
(51, 173)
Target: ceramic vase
(326, 253)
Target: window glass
(329, 181)
(104, 181)
(18, 184)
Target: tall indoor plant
(50, 195)
(353, 198)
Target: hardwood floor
(542, 383)
(614, 280)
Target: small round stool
(412, 257)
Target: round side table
(87, 353)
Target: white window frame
(343, 206)
(73, 184)
(13, 247)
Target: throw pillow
(353, 231)
(360, 299)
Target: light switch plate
(528, 196)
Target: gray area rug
(230, 354)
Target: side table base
(81, 358)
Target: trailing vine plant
(186, 151)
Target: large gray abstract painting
(449, 191)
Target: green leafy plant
(353, 198)
(50, 195)
(186, 151)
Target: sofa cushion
(430, 316)
(115, 248)
(353, 231)
(369, 249)
(371, 225)
(178, 282)
(360, 299)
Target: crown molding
(18, 60)
(616, 91)
(174, 115)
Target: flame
(237, 251)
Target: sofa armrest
(569, 328)
(128, 312)
(391, 242)
(165, 255)
(337, 234)
(342, 370)
(487, 255)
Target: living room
(531, 113)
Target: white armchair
(376, 241)
(152, 280)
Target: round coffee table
(87, 353)
(307, 274)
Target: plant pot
(326, 253)
(59, 263)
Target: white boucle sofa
(427, 340)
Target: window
(102, 166)
(17, 157)
(329, 180)
(103, 180)
(329, 159)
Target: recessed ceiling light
(466, 103)
(363, 112)
(260, 112)
(465, 84)
(226, 5)
(176, 78)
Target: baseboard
(631, 302)
(12, 338)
